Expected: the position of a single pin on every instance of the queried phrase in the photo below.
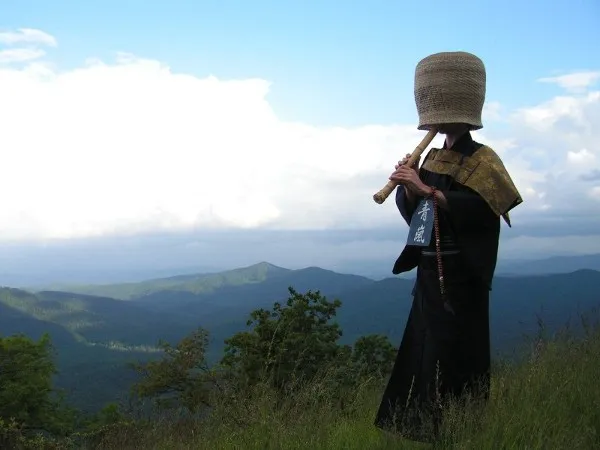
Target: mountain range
(98, 329)
(381, 269)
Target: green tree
(290, 342)
(287, 346)
(182, 377)
(27, 397)
(373, 356)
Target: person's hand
(410, 179)
(415, 166)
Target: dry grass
(551, 401)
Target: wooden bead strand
(438, 253)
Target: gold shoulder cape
(482, 172)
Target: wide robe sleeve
(409, 258)
(406, 209)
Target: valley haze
(368, 252)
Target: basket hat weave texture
(450, 88)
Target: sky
(247, 129)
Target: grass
(549, 401)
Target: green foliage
(26, 370)
(26, 392)
(95, 338)
(287, 382)
(373, 356)
(289, 342)
(181, 378)
(29, 405)
(548, 401)
(285, 348)
(109, 415)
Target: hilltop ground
(550, 401)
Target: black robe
(442, 353)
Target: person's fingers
(404, 160)
(398, 176)
(403, 174)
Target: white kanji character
(423, 211)
(419, 235)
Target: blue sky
(331, 62)
(124, 149)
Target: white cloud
(492, 111)
(20, 55)
(583, 157)
(131, 146)
(575, 82)
(570, 113)
(27, 36)
(595, 193)
(558, 141)
(28, 41)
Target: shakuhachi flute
(419, 149)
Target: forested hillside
(96, 337)
(288, 379)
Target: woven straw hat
(450, 88)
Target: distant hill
(223, 307)
(92, 319)
(96, 335)
(516, 305)
(192, 283)
(381, 269)
(201, 282)
(555, 264)
(19, 320)
(252, 294)
(89, 372)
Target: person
(445, 349)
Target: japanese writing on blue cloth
(421, 224)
